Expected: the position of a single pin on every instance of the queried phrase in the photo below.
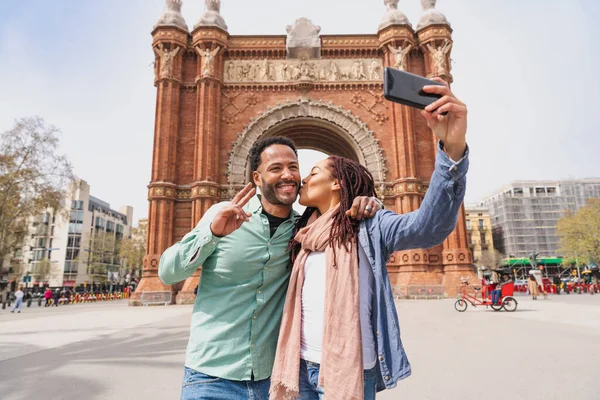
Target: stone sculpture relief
(208, 57)
(260, 71)
(438, 56)
(166, 60)
(400, 56)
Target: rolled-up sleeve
(181, 260)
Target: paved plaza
(548, 349)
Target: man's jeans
(309, 378)
(199, 386)
(496, 296)
(18, 305)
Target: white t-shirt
(313, 306)
(19, 294)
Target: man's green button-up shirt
(237, 313)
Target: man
(18, 300)
(497, 293)
(242, 248)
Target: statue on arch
(230, 71)
(334, 72)
(166, 59)
(438, 55)
(207, 59)
(400, 56)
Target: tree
(133, 249)
(490, 259)
(32, 178)
(43, 271)
(579, 233)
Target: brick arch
(329, 128)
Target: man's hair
(260, 146)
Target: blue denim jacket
(388, 232)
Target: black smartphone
(406, 88)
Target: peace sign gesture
(232, 216)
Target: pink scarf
(341, 373)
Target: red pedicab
(505, 301)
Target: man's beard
(269, 192)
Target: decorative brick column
(169, 44)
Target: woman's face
(319, 186)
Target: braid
(355, 180)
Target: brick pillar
(408, 267)
(206, 153)
(169, 44)
(456, 256)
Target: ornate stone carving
(212, 15)
(439, 58)
(431, 16)
(303, 39)
(230, 109)
(378, 107)
(207, 60)
(281, 71)
(171, 15)
(393, 16)
(400, 56)
(166, 60)
(354, 129)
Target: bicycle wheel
(460, 305)
(509, 304)
(496, 307)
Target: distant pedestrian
(56, 297)
(4, 297)
(18, 300)
(48, 297)
(532, 285)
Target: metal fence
(156, 298)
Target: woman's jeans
(309, 378)
(199, 386)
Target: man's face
(278, 175)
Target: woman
(339, 276)
(339, 333)
(533, 287)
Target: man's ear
(256, 178)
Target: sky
(527, 70)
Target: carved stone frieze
(281, 71)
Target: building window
(468, 224)
(74, 241)
(76, 216)
(110, 226)
(75, 228)
(72, 254)
(100, 223)
(518, 191)
(482, 238)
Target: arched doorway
(313, 125)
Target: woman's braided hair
(354, 180)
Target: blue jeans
(199, 386)
(496, 296)
(309, 378)
(18, 305)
